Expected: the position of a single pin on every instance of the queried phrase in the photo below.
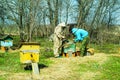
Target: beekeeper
(81, 35)
(58, 36)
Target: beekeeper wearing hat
(81, 35)
(58, 36)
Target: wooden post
(35, 70)
(77, 53)
(70, 53)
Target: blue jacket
(80, 34)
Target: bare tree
(84, 7)
(43, 15)
(2, 16)
(33, 17)
(24, 13)
(16, 14)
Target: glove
(63, 37)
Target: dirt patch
(59, 70)
(117, 55)
(62, 69)
(89, 75)
(3, 73)
(20, 76)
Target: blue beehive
(5, 42)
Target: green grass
(2, 78)
(107, 71)
(47, 47)
(106, 48)
(111, 69)
(10, 62)
(91, 66)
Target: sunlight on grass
(94, 70)
(111, 69)
(11, 62)
(108, 48)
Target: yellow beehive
(91, 51)
(29, 52)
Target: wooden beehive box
(69, 49)
(29, 52)
(6, 41)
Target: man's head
(62, 24)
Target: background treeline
(37, 18)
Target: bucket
(77, 53)
(70, 53)
(73, 54)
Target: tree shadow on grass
(29, 66)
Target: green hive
(71, 47)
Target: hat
(62, 24)
(74, 30)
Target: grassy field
(104, 65)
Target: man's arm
(58, 32)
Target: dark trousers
(83, 46)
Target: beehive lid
(30, 47)
(6, 37)
(30, 43)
